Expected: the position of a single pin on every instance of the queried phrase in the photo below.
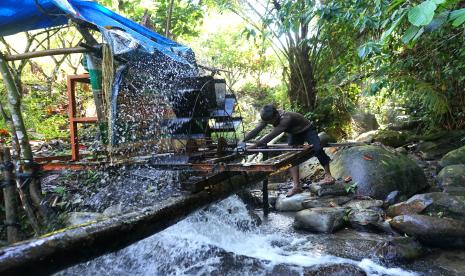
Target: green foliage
(186, 15)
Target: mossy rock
(377, 171)
(452, 176)
(391, 138)
(453, 157)
(438, 144)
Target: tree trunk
(9, 195)
(168, 18)
(77, 244)
(302, 82)
(14, 105)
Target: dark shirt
(289, 122)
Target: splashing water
(222, 239)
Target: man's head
(269, 113)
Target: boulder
(452, 176)
(77, 218)
(434, 231)
(364, 204)
(362, 219)
(293, 203)
(326, 202)
(454, 157)
(400, 249)
(378, 171)
(435, 204)
(322, 219)
(390, 138)
(362, 122)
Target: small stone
(322, 220)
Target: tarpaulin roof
(25, 15)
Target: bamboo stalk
(9, 195)
(45, 53)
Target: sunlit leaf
(394, 25)
(422, 14)
(457, 17)
(410, 34)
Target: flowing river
(227, 239)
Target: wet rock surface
(440, 232)
(293, 203)
(400, 249)
(363, 219)
(321, 219)
(326, 202)
(377, 171)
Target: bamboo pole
(45, 53)
(14, 106)
(9, 195)
(68, 247)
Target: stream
(228, 239)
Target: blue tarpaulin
(26, 15)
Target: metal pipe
(44, 53)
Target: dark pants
(311, 137)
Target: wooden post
(9, 195)
(266, 205)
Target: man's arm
(253, 133)
(270, 136)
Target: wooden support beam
(45, 53)
(67, 247)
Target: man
(299, 130)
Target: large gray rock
(435, 204)
(323, 220)
(293, 203)
(451, 176)
(77, 218)
(440, 232)
(453, 157)
(378, 171)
